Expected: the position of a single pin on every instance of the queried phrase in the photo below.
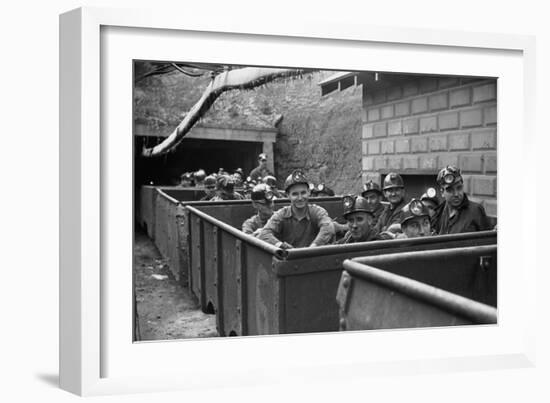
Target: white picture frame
(97, 357)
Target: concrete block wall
(422, 125)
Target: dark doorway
(191, 155)
(416, 185)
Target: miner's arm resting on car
(326, 227)
(283, 230)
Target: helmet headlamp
(261, 192)
(448, 179)
(298, 176)
(349, 201)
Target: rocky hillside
(318, 134)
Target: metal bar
(167, 197)
(300, 253)
(475, 311)
(278, 202)
(153, 215)
(219, 282)
(280, 253)
(241, 287)
(189, 243)
(202, 274)
(437, 253)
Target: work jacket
(390, 215)
(316, 226)
(377, 213)
(469, 217)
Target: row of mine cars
(255, 288)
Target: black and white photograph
(279, 200)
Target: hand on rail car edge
(385, 235)
(284, 245)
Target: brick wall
(422, 125)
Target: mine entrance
(191, 155)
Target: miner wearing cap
(238, 176)
(225, 189)
(262, 201)
(301, 224)
(186, 179)
(415, 221)
(209, 188)
(431, 202)
(321, 190)
(261, 171)
(271, 181)
(360, 218)
(394, 191)
(373, 196)
(199, 177)
(457, 213)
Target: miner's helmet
(430, 195)
(262, 193)
(270, 180)
(448, 176)
(414, 209)
(354, 204)
(393, 180)
(210, 182)
(262, 157)
(295, 178)
(321, 188)
(370, 186)
(199, 175)
(225, 183)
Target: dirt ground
(165, 309)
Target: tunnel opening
(191, 155)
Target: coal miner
(225, 189)
(373, 195)
(301, 224)
(431, 202)
(198, 177)
(186, 179)
(238, 176)
(457, 213)
(360, 218)
(271, 181)
(394, 191)
(261, 171)
(321, 190)
(262, 201)
(415, 221)
(209, 188)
